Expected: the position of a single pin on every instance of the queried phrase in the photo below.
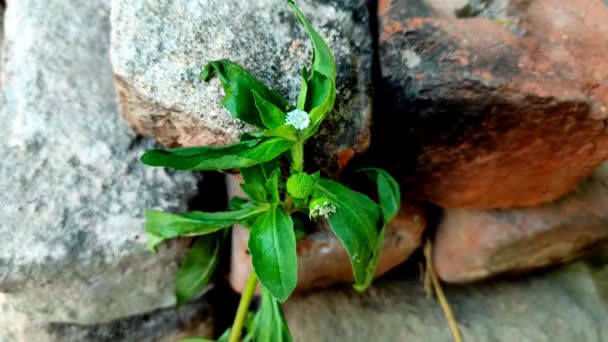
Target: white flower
(298, 119)
(321, 207)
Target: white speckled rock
(159, 48)
(72, 191)
(1, 28)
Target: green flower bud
(300, 185)
(321, 207)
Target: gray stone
(563, 305)
(1, 28)
(159, 48)
(72, 190)
(164, 325)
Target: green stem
(288, 204)
(241, 312)
(297, 156)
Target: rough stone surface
(506, 108)
(159, 48)
(71, 189)
(475, 244)
(1, 28)
(162, 325)
(561, 306)
(322, 261)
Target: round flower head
(300, 185)
(321, 207)
(298, 119)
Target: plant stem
(241, 312)
(297, 156)
(288, 204)
(443, 302)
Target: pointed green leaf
(390, 201)
(269, 323)
(272, 187)
(225, 336)
(239, 155)
(372, 265)
(251, 136)
(161, 226)
(238, 86)
(153, 241)
(197, 268)
(287, 132)
(271, 115)
(319, 101)
(260, 172)
(389, 194)
(322, 59)
(237, 203)
(261, 182)
(318, 92)
(356, 223)
(303, 90)
(272, 244)
(256, 192)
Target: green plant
(354, 218)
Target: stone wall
(491, 114)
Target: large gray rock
(72, 191)
(164, 325)
(1, 28)
(564, 305)
(159, 48)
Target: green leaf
(272, 187)
(389, 194)
(355, 223)
(318, 92)
(262, 181)
(255, 191)
(287, 132)
(303, 90)
(239, 155)
(251, 135)
(260, 172)
(322, 59)
(271, 115)
(319, 101)
(269, 323)
(390, 200)
(237, 203)
(197, 268)
(195, 340)
(225, 336)
(239, 86)
(161, 225)
(370, 270)
(272, 244)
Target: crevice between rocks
(379, 154)
(212, 196)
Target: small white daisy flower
(298, 119)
